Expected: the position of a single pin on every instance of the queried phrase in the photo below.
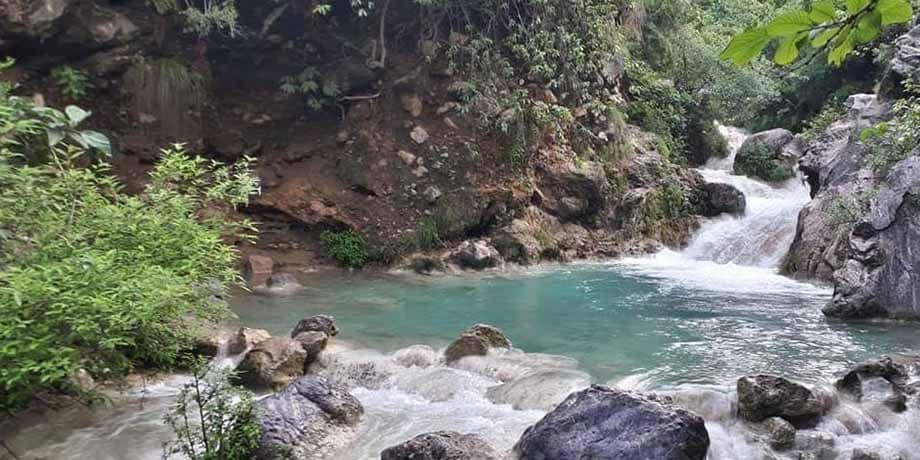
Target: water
(686, 324)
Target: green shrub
(348, 248)
(760, 163)
(212, 419)
(309, 85)
(92, 277)
(74, 84)
(832, 111)
(428, 235)
(891, 142)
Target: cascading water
(763, 234)
(686, 324)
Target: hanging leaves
(827, 28)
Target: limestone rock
(476, 341)
(246, 338)
(273, 364)
(419, 135)
(601, 423)
(313, 342)
(782, 433)
(406, 157)
(476, 255)
(307, 420)
(763, 396)
(781, 146)
(441, 445)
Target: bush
(94, 278)
(891, 142)
(212, 419)
(73, 84)
(348, 248)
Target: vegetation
(348, 248)
(891, 142)
(203, 17)
(761, 163)
(73, 84)
(94, 278)
(212, 419)
(316, 93)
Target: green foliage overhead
(212, 419)
(826, 26)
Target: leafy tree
(825, 27)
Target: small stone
(413, 104)
(342, 137)
(447, 107)
(432, 193)
(429, 48)
(420, 171)
(419, 135)
(450, 123)
(406, 157)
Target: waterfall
(764, 233)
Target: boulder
(441, 445)
(476, 255)
(781, 432)
(604, 423)
(321, 323)
(769, 155)
(905, 65)
(272, 364)
(720, 198)
(260, 269)
(307, 420)
(245, 339)
(476, 341)
(34, 19)
(313, 342)
(763, 396)
(882, 380)
(576, 193)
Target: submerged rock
(476, 341)
(602, 423)
(541, 390)
(441, 445)
(764, 396)
(307, 420)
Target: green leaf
(894, 11)
(855, 6)
(789, 24)
(76, 114)
(55, 136)
(98, 141)
(745, 46)
(868, 27)
(843, 49)
(822, 12)
(825, 36)
(787, 52)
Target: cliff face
(860, 230)
(392, 155)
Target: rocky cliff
(393, 156)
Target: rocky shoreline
(312, 413)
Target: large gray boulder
(881, 277)
(476, 341)
(273, 364)
(763, 396)
(441, 445)
(769, 155)
(718, 198)
(307, 420)
(905, 65)
(601, 423)
(35, 19)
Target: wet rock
(880, 380)
(419, 135)
(722, 198)
(313, 342)
(245, 339)
(260, 269)
(476, 341)
(764, 396)
(603, 423)
(813, 440)
(781, 148)
(32, 19)
(273, 364)
(425, 265)
(441, 445)
(307, 420)
(541, 390)
(416, 356)
(781, 432)
(208, 344)
(476, 255)
(321, 323)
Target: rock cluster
(763, 396)
(274, 362)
